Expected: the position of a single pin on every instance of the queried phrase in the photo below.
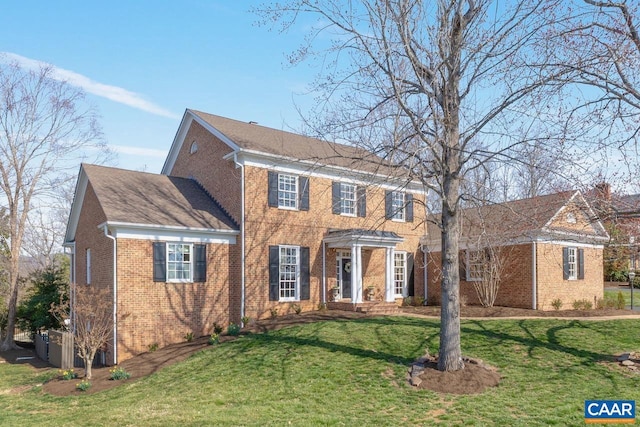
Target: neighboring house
(551, 247)
(242, 221)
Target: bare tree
(443, 75)
(92, 324)
(44, 129)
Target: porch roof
(338, 238)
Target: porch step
(373, 308)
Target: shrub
(273, 312)
(418, 301)
(582, 304)
(153, 347)
(620, 302)
(83, 385)
(556, 304)
(119, 373)
(214, 339)
(297, 309)
(233, 330)
(407, 301)
(245, 321)
(188, 336)
(67, 374)
(322, 306)
(217, 329)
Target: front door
(345, 277)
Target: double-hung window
(288, 191)
(289, 273)
(476, 265)
(573, 263)
(349, 199)
(399, 206)
(400, 274)
(179, 262)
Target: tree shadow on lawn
(532, 343)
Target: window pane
(178, 261)
(289, 267)
(397, 199)
(348, 199)
(399, 272)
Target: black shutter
(273, 189)
(388, 204)
(159, 262)
(305, 274)
(409, 207)
(335, 198)
(303, 191)
(410, 276)
(274, 273)
(462, 265)
(581, 264)
(362, 201)
(200, 266)
(565, 263)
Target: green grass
(353, 373)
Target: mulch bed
(473, 378)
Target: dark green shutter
(410, 276)
(274, 273)
(409, 208)
(303, 191)
(581, 264)
(565, 263)
(159, 262)
(200, 266)
(305, 274)
(462, 265)
(273, 189)
(362, 201)
(336, 208)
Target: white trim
(87, 262)
(534, 276)
(121, 230)
(191, 262)
(297, 289)
(76, 206)
(471, 244)
(404, 274)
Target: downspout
(426, 277)
(534, 279)
(242, 237)
(324, 274)
(115, 296)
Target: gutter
(242, 235)
(115, 295)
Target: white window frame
(398, 199)
(400, 273)
(288, 186)
(348, 199)
(287, 277)
(88, 260)
(475, 264)
(572, 263)
(170, 263)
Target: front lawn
(353, 372)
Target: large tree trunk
(88, 361)
(9, 343)
(450, 353)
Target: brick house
(242, 221)
(551, 247)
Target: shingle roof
(145, 198)
(256, 138)
(523, 218)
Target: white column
(358, 268)
(389, 293)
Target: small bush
(297, 309)
(245, 321)
(407, 301)
(233, 330)
(214, 339)
(119, 373)
(322, 306)
(83, 385)
(273, 312)
(188, 336)
(418, 301)
(582, 304)
(620, 302)
(153, 347)
(556, 304)
(67, 374)
(217, 329)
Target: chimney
(604, 191)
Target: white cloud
(113, 93)
(138, 151)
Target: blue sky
(143, 62)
